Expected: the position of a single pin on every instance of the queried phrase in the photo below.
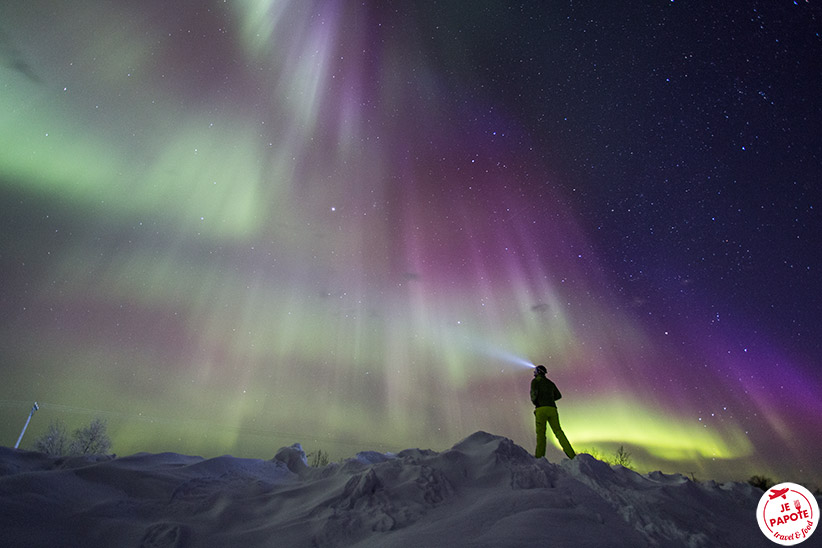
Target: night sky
(231, 226)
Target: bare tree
(91, 440)
(54, 442)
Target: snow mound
(484, 491)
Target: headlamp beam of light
(508, 357)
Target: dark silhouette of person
(544, 396)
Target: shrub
(623, 457)
(318, 458)
(763, 482)
(594, 452)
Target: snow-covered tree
(91, 440)
(54, 442)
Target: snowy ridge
(484, 491)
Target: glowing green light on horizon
(625, 420)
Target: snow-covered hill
(485, 491)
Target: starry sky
(228, 226)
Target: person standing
(544, 396)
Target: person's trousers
(550, 416)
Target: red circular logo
(787, 514)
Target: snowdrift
(484, 491)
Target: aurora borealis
(230, 226)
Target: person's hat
(540, 370)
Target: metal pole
(34, 408)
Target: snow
(485, 491)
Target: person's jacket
(544, 392)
